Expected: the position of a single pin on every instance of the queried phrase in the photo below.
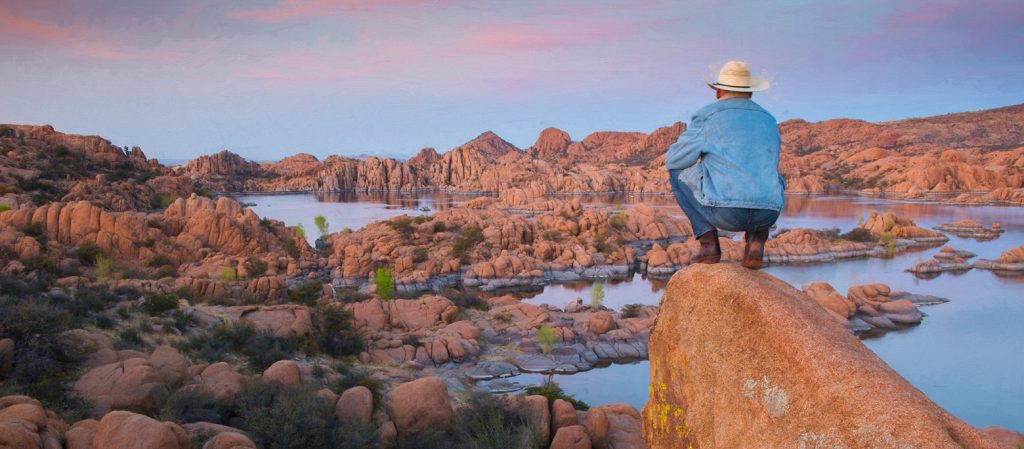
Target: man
(724, 169)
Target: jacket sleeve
(687, 150)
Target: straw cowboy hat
(735, 77)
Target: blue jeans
(706, 218)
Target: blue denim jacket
(737, 144)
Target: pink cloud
(82, 41)
(505, 36)
(286, 10)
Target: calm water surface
(967, 355)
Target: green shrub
(228, 274)
(439, 226)
(104, 266)
(423, 218)
(88, 253)
(322, 226)
(484, 422)
(280, 417)
(546, 338)
(552, 391)
(597, 295)
(167, 199)
(385, 283)
(165, 271)
(255, 267)
(300, 231)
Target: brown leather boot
(753, 249)
(710, 251)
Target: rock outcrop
(741, 359)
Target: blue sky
(271, 78)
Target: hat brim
(757, 84)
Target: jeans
(706, 218)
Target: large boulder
(355, 405)
(742, 359)
(169, 363)
(132, 384)
(127, 430)
(285, 372)
(571, 437)
(419, 405)
(25, 424)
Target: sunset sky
(272, 78)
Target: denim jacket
(737, 144)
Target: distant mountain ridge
(977, 151)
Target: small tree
(385, 283)
(300, 231)
(322, 225)
(596, 295)
(546, 338)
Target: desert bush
(466, 299)
(440, 226)
(336, 335)
(552, 391)
(420, 254)
(182, 320)
(403, 225)
(261, 348)
(159, 260)
(290, 248)
(157, 303)
(87, 253)
(552, 235)
(859, 235)
(361, 379)
(484, 422)
(618, 221)
(128, 338)
(194, 405)
(255, 267)
(306, 294)
(468, 239)
(280, 417)
(631, 310)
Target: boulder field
(742, 359)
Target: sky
(271, 78)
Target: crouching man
(724, 169)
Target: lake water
(967, 355)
